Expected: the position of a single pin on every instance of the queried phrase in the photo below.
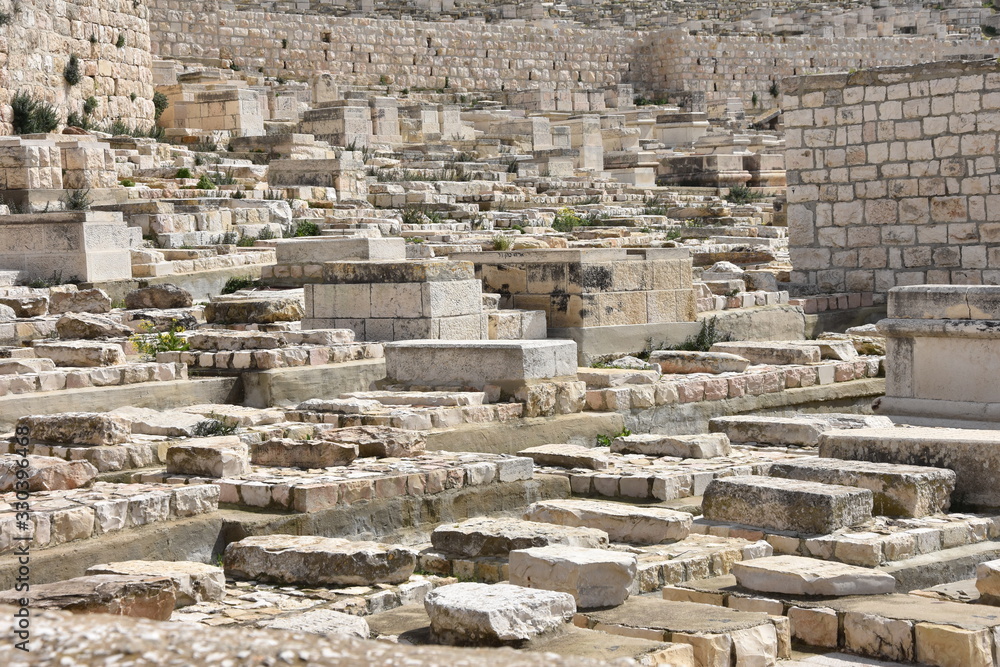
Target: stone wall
(37, 42)
(891, 175)
(411, 54)
(675, 64)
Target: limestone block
(988, 581)
(899, 490)
(255, 311)
(814, 626)
(594, 577)
(680, 361)
(221, 456)
(79, 301)
(83, 325)
(793, 575)
(497, 537)
(303, 453)
(831, 349)
(321, 250)
(146, 421)
(631, 524)
(317, 561)
(951, 646)
(702, 446)
(785, 504)
(27, 306)
(878, 637)
(26, 365)
(378, 441)
(81, 353)
(796, 431)
(771, 353)
(568, 456)
(476, 614)
(193, 582)
(76, 428)
(158, 296)
(45, 473)
(322, 622)
(139, 596)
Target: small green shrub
(705, 339)
(606, 440)
(6, 18)
(31, 115)
(215, 425)
(205, 183)
(774, 90)
(127, 182)
(741, 194)
(284, 43)
(120, 43)
(90, 105)
(502, 242)
(132, 96)
(183, 172)
(72, 70)
(76, 120)
(160, 104)
(566, 220)
(77, 200)
(148, 345)
(989, 30)
(121, 128)
(412, 216)
(239, 194)
(306, 228)
(236, 283)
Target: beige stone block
(876, 636)
(814, 626)
(950, 646)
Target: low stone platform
(633, 524)
(898, 490)
(785, 504)
(300, 559)
(972, 454)
(719, 636)
(794, 575)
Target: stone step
(317, 561)
(800, 431)
(594, 577)
(421, 398)
(219, 457)
(898, 490)
(498, 537)
(794, 575)
(286, 452)
(193, 582)
(701, 446)
(122, 595)
(632, 524)
(771, 353)
(484, 614)
(972, 454)
(569, 456)
(680, 361)
(718, 636)
(786, 504)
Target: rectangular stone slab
(318, 561)
(899, 490)
(632, 524)
(794, 575)
(770, 353)
(786, 504)
(701, 446)
(797, 431)
(568, 456)
(974, 455)
(498, 537)
(594, 577)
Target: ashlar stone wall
(893, 177)
(40, 37)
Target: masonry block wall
(42, 34)
(893, 177)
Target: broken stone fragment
(568, 456)
(318, 561)
(680, 361)
(632, 524)
(484, 614)
(158, 296)
(143, 597)
(220, 456)
(988, 581)
(193, 582)
(77, 428)
(303, 453)
(701, 446)
(46, 473)
(378, 441)
(594, 577)
(27, 306)
(772, 353)
(255, 311)
(497, 537)
(79, 301)
(84, 353)
(794, 575)
(84, 325)
(323, 622)
(26, 365)
(146, 421)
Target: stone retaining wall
(42, 34)
(890, 175)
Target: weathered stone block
(594, 577)
(498, 537)
(623, 523)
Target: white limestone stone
(594, 577)
(793, 575)
(633, 524)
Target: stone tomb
(398, 300)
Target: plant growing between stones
(705, 339)
(160, 104)
(566, 220)
(120, 43)
(183, 172)
(236, 283)
(502, 242)
(90, 105)
(306, 228)
(149, 344)
(77, 200)
(606, 440)
(741, 194)
(72, 70)
(205, 183)
(30, 115)
(216, 424)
